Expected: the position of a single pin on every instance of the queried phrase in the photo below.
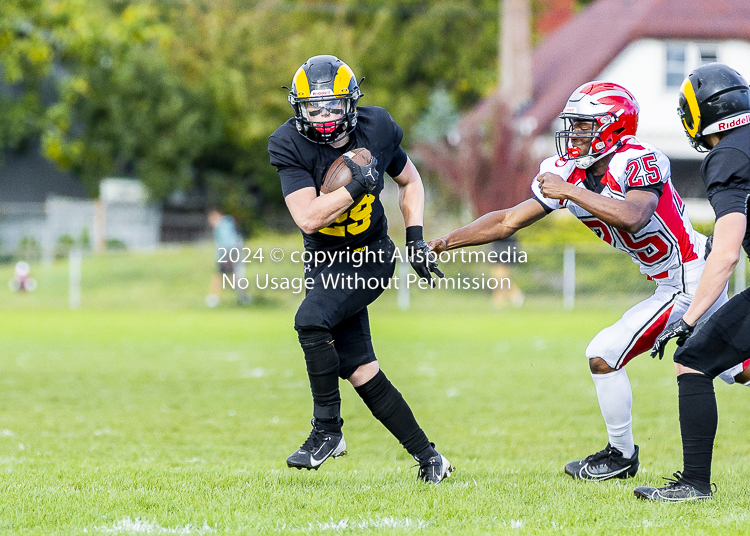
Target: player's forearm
(622, 214)
(324, 210)
(411, 203)
(488, 228)
(718, 269)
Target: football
(338, 174)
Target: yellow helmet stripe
(689, 93)
(301, 84)
(341, 82)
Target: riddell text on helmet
(738, 121)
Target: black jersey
(726, 173)
(302, 163)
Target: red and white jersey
(668, 239)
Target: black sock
(390, 408)
(698, 421)
(323, 372)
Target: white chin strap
(585, 162)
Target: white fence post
(569, 277)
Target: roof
(606, 27)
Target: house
(27, 180)
(42, 205)
(648, 46)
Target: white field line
(141, 526)
(347, 524)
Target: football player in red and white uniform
(621, 189)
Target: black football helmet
(713, 98)
(324, 86)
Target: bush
(115, 244)
(29, 249)
(64, 244)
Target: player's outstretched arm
(493, 226)
(312, 212)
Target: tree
(184, 93)
(26, 55)
(489, 163)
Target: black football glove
(420, 256)
(679, 329)
(364, 178)
(709, 246)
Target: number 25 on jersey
(643, 171)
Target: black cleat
(675, 491)
(320, 446)
(435, 468)
(605, 464)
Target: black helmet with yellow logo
(324, 96)
(713, 98)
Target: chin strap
(585, 162)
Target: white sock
(746, 383)
(616, 401)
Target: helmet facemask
(576, 130)
(696, 142)
(325, 120)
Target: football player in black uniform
(332, 323)
(715, 111)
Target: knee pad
(320, 356)
(594, 348)
(313, 339)
(601, 347)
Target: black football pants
(333, 326)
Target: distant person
(501, 269)
(226, 237)
(22, 280)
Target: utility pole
(515, 53)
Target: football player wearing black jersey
(332, 323)
(715, 112)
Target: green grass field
(146, 413)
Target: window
(708, 55)
(675, 64)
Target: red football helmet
(613, 113)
